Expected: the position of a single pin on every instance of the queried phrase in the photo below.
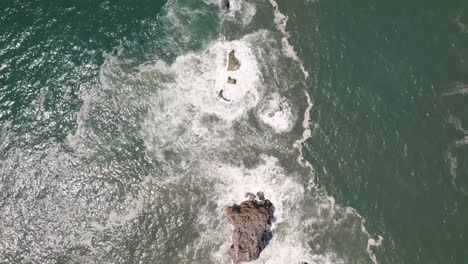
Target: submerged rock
(220, 95)
(233, 62)
(226, 4)
(252, 221)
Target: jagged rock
(226, 4)
(233, 62)
(252, 221)
(231, 80)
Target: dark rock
(261, 196)
(220, 95)
(226, 4)
(233, 62)
(252, 221)
(231, 80)
(250, 196)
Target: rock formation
(233, 62)
(252, 221)
(233, 65)
(231, 80)
(220, 95)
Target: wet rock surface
(252, 221)
(233, 62)
(233, 65)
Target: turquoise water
(115, 147)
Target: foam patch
(277, 113)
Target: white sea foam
(459, 21)
(243, 9)
(187, 91)
(3, 130)
(230, 183)
(306, 134)
(451, 156)
(372, 243)
(192, 91)
(199, 79)
(81, 116)
(277, 113)
(292, 226)
(247, 75)
(460, 89)
(281, 21)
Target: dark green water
(113, 151)
(386, 133)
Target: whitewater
(195, 154)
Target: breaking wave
(157, 155)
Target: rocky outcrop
(252, 221)
(233, 62)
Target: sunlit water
(116, 147)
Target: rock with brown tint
(252, 221)
(233, 62)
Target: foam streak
(281, 21)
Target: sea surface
(116, 146)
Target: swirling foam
(207, 154)
(277, 113)
(199, 78)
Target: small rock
(233, 62)
(261, 196)
(231, 80)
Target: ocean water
(116, 148)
